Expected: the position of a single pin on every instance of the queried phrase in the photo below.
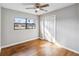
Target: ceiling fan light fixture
(37, 9)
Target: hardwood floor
(38, 48)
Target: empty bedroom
(39, 29)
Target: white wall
(11, 36)
(0, 25)
(67, 26)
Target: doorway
(48, 27)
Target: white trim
(71, 49)
(37, 38)
(62, 46)
(18, 43)
(66, 47)
(54, 28)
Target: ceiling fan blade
(45, 5)
(44, 10)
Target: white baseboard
(18, 43)
(58, 44)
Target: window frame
(26, 24)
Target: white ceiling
(21, 7)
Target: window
(30, 24)
(23, 23)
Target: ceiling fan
(38, 7)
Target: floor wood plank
(40, 48)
